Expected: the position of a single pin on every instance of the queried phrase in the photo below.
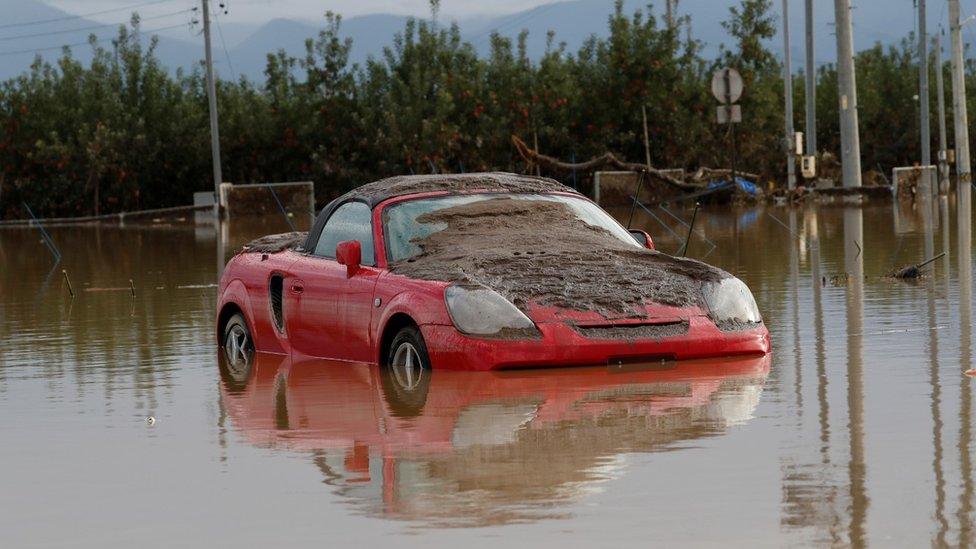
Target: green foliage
(123, 134)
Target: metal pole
(728, 113)
(940, 90)
(212, 98)
(647, 141)
(850, 143)
(959, 113)
(811, 95)
(788, 97)
(923, 96)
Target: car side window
(351, 221)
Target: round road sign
(727, 85)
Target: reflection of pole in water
(857, 468)
(821, 358)
(221, 234)
(795, 282)
(818, 322)
(936, 391)
(926, 207)
(964, 266)
(946, 246)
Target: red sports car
(478, 272)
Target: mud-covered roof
(378, 191)
(274, 243)
(402, 185)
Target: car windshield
(402, 230)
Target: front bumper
(561, 345)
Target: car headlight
(731, 301)
(480, 311)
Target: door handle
(297, 288)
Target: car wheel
(238, 350)
(406, 378)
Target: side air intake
(277, 282)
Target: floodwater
(857, 430)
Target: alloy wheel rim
(237, 345)
(407, 367)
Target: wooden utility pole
(811, 95)
(940, 90)
(960, 116)
(212, 98)
(850, 141)
(788, 98)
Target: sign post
(727, 88)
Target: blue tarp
(747, 187)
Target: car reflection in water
(480, 448)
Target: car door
(333, 306)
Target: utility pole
(212, 97)
(811, 95)
(923, 96)
(940, 89)
(788, 97)
(669, 17)
(960, 116)
(850, 141)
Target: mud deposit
(494, 182)
(647, 331)
(535, 251)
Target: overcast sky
(259, 11)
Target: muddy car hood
(539, 255)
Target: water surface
(857, 430)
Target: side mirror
(642, 238)
(350, 254)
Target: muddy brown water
(858, 429)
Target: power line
(80, 16)
(91, 27)
(516, 20)
(34, 50)
(223, 44)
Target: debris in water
(71, 290)
(836, 279)
(914, 271)
(118, 289)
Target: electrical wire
(91, 27)
(518, 20)
(34, 50)
(223, 44)
(83, 15)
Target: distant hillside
(369, 33)
(572, 21)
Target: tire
(406, 385)
(237, 353)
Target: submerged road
(857, 430)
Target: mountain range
(32, 27)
